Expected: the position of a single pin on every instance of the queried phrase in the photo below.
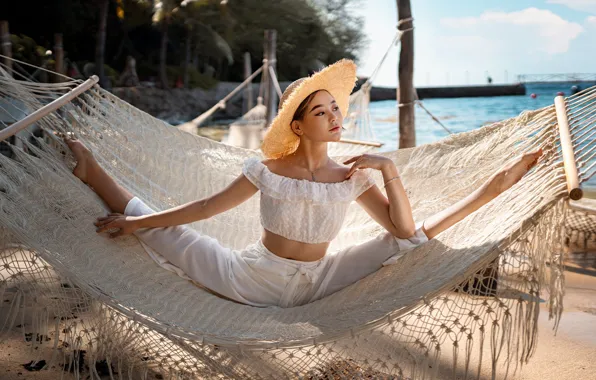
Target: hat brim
(338, 79)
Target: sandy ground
(571, 354)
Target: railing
(549, 78)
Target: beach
(568, 355)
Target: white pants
(256, 276)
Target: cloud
(578, 5)
(591, 20)
(528, 30)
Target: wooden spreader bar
(48, 108)
(573, 188)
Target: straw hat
(338, 79)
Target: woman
(304, 199)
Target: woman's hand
(370, 161)
(117, 224)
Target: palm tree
(194, 14)
(162, 15)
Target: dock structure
(556, 78)
(387, 93)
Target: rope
(275, 82)
(395, 41)
(403, 21)
(222, 103)
(36, 67)
(432, 116)
(419, 103)
(20, 71)
(400, 105)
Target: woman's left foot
(84, 157)
(513, 172)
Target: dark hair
(301, 110)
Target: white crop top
(302, 210)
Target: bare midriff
(292, 249)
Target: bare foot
(513, 172)
(84, 157)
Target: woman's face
(322, 121)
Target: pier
(556, 78)
(387, 93)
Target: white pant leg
(356, 262)
(182, 250)
(272, 280)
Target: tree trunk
(59, 57)
(195, 57)
(406, 94)
(101, 42)
(163, 76)
(187, 59)
(6, 46)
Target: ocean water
(462, 114)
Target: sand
(568, 355)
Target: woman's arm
(240, 190)
(393, 212)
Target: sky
(460, 42)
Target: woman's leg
(499, 182)
(179, 249)
(90, 172)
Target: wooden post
(100, 43)
(265, 76)
(59, 56)
(6, 45)
(248, 96)
(406, 95)
(270, 94)
(575, 192)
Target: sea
(464, 114)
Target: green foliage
(109, 71)
(309, 33)
(195, 16)
(24, 48)
(306, 33)
(196, 79)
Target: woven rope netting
(474, 288)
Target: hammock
(477, 285)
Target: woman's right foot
(84, 158)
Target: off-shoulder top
(302, 210)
